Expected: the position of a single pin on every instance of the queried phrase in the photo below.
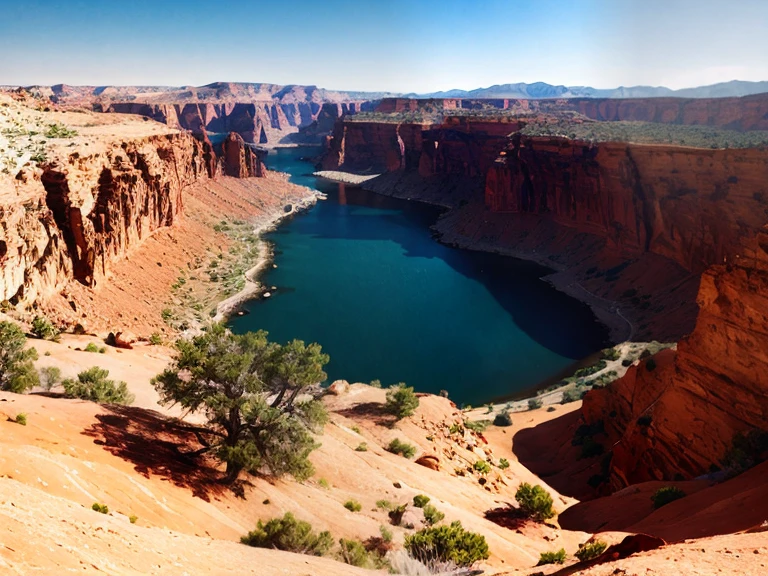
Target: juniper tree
(17, 373)
(249, 389)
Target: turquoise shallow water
(361, 274)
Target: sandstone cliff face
(696, 207)
(74, 216)
(238, 159)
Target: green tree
(247, 388)
(17, 371)
(94, 385)
(447, 544)
(535, 502)
(401, 401)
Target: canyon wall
(697, 207)
(81, 210)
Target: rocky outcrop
(240, 160)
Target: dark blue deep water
(361, 274)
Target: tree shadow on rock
(375, 412)
(156, 446)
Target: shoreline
(253, 287)
(606, 312)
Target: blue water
(361, 274)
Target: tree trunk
(233, 471)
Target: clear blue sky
(396, 45)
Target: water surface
(361, 274)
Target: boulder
(429, 461)
(125, 340)
(339, 387)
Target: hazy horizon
(422, 47)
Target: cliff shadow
(156, 446)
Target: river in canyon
(361, 274)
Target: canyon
(670, 239)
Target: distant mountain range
(253, 92)
(540, 90)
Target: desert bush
(155, 339)
(611, 354)
(404, 449)
(534, 404)
(396, 514)
(478, 426)
(94, 385)
(386, 533)
(43, 329)
(50, 376)
(133, 518)
(447, 544)
(535, 502)
(420, 500)
(91, 347)
(503, 419)
(552, 557)
(353, 505)
(384, 504)
(58, 130)
(432, 515)
(362, 447)
(323, 483)
(401, 401)
(375, 383)
(482, 466)
(503, 463)
(590, 550)
(290, 535)
(353, 552)
(17, 371)
(747, 450)
(570, 396)
(21, 418)
(100, 508)
(665, 495)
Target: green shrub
(482, 466)
(91, 347)
(21, 418)
(552, 557)
(43, 329)
(447, 544)
(362, 447)
(478, 426)
(17, 371)
(386, 533)
(420, 500)
(384, 504)
(101, 508)
(155, 339)
(353, 552)
(290, 535)
(401, 401)
(589, 370)
(535, 502)
(93, 385)
(503, 463)
(503, 419)
(432, 515)
(323, 483)
(611, 354)
(353, 505)
(665, 495)
(375, 383)
(404, 449)
(590, 550)
(570, 396)
(133, 518)
(534, 404)
(356, 429)
(747, 450)
(58, 130)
